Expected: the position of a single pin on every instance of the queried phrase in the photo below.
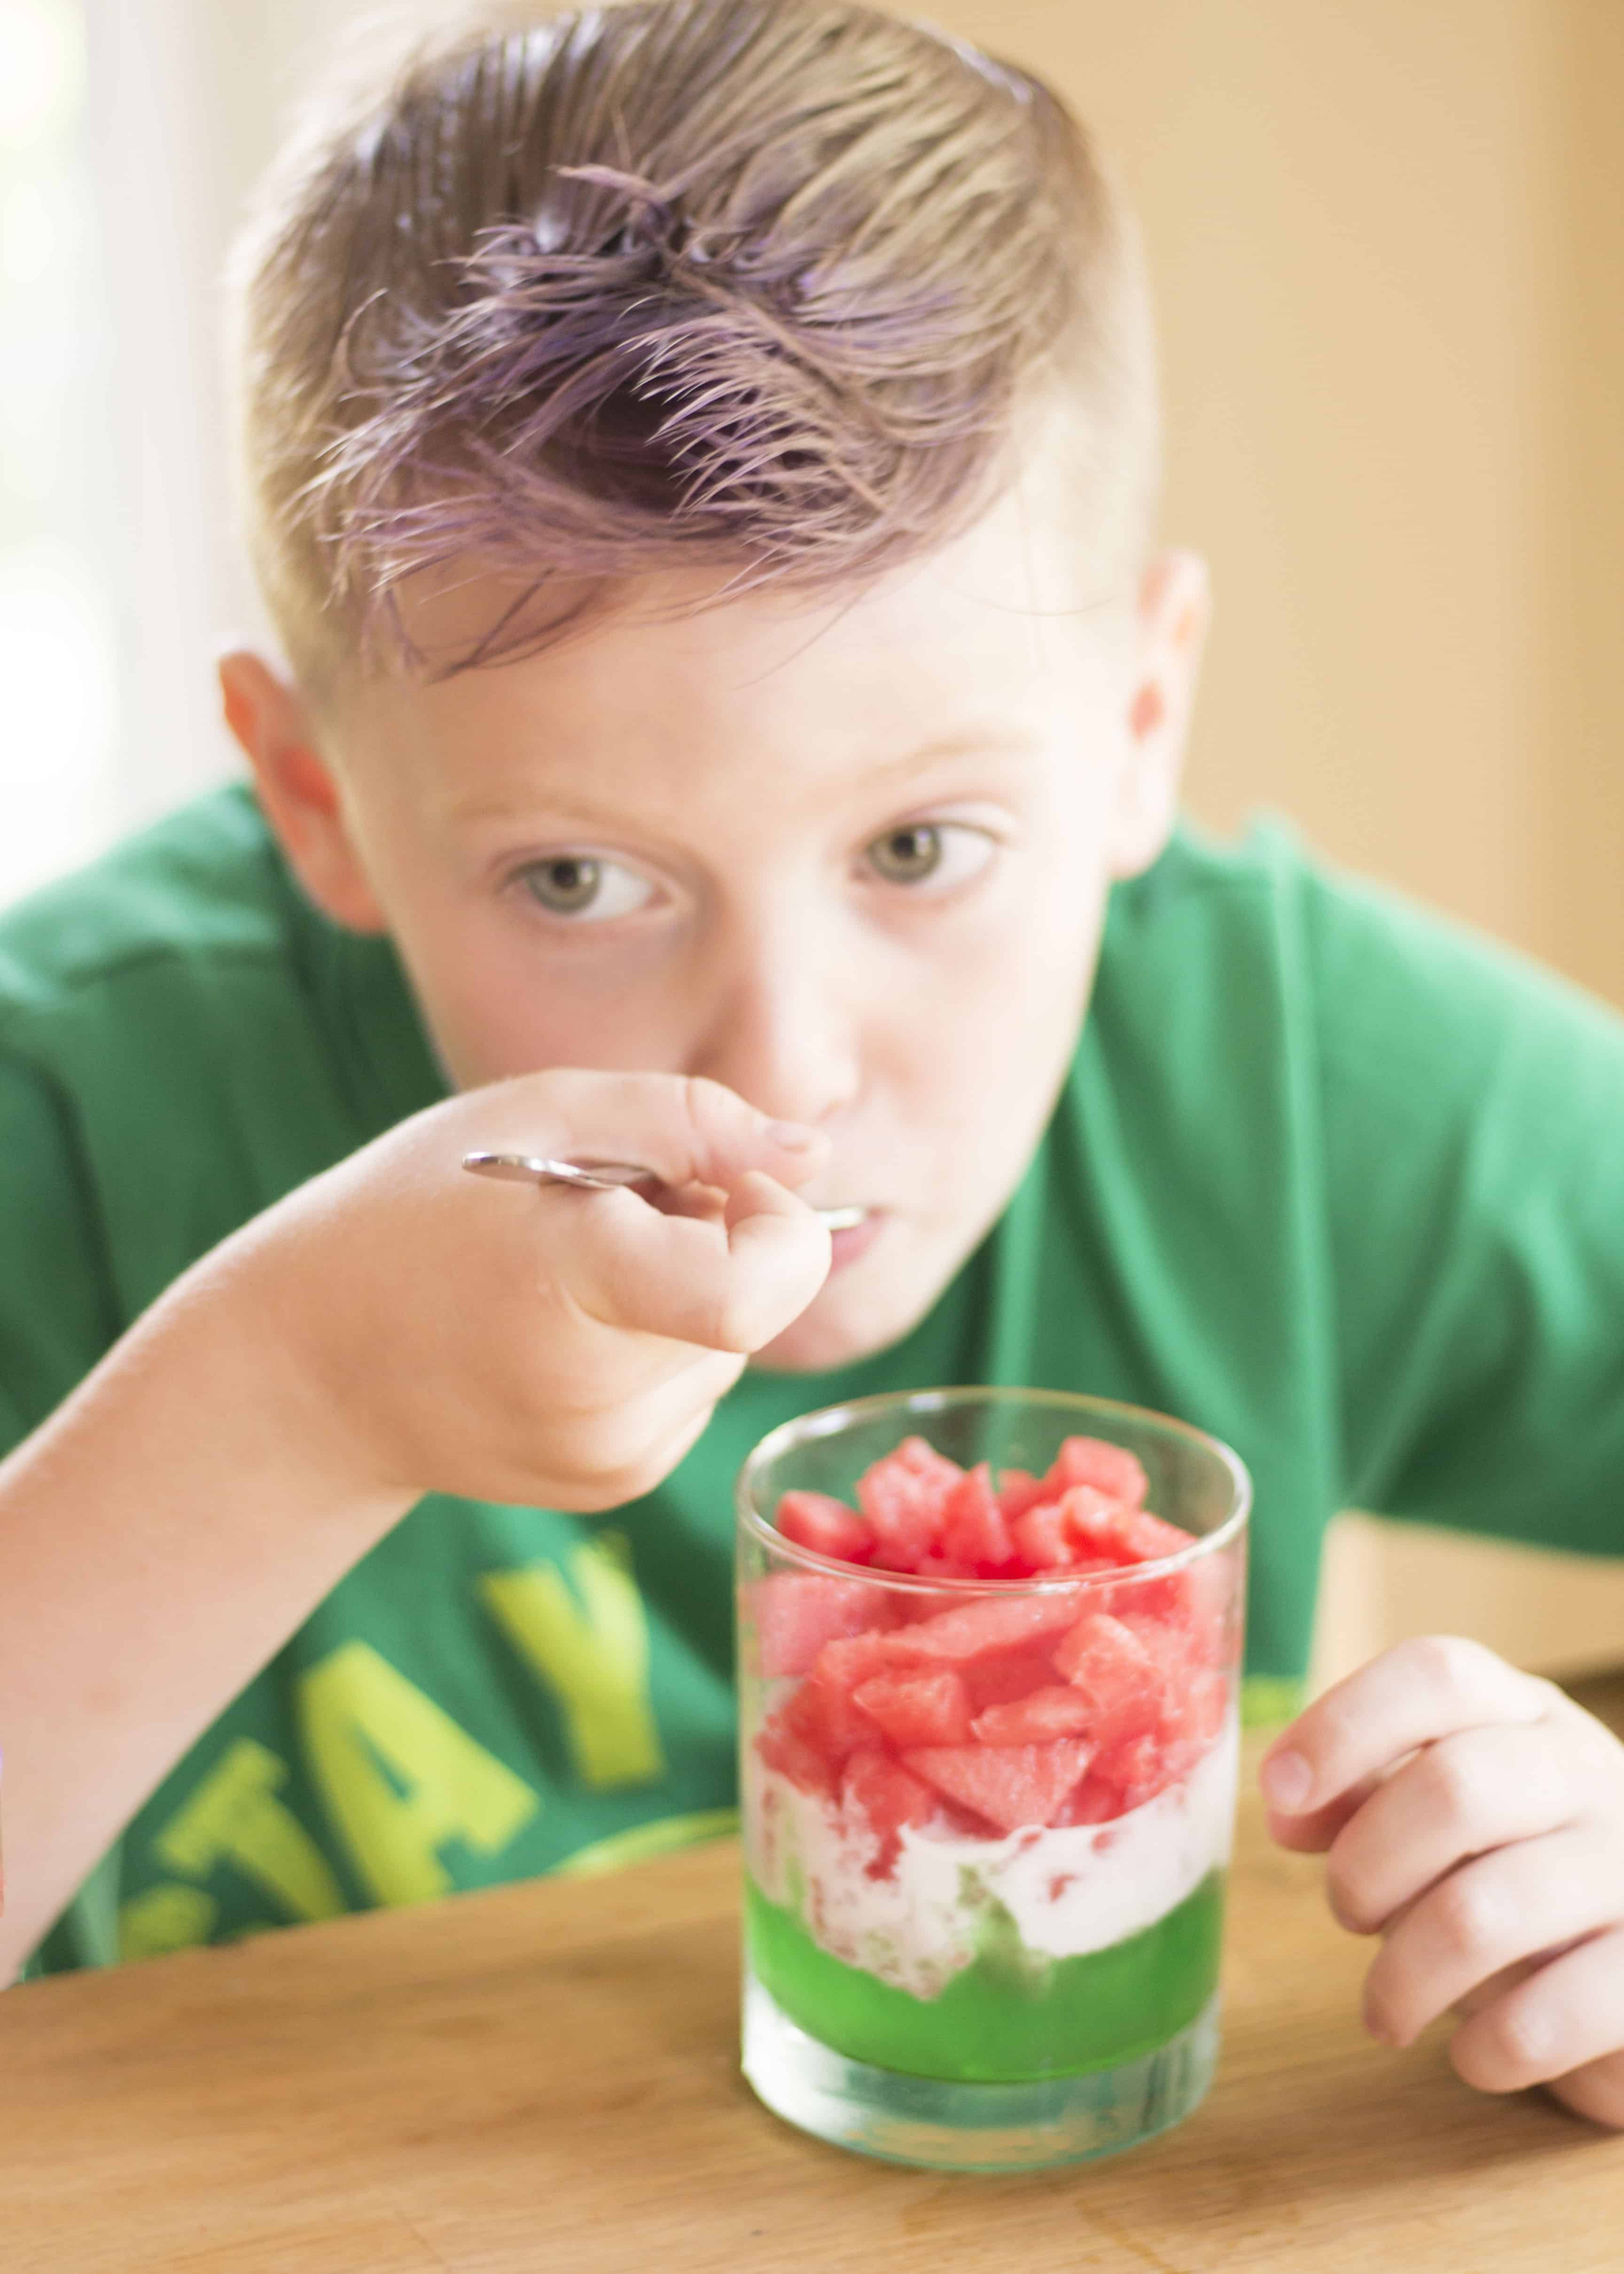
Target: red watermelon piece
(1109, 1469)
(1009, 1786)
(1058, 1711)
(903, 1508)
(931, 1707)
(1095, 1800)
(852, 1658)
(826, 1719)
(1059, 1534)
(973, 1631)
(1109, 1664)
(1124, 1535)
(1038, 1534)
(887, 1796)
(975, 1533)
(994, 1681)
(1017, 1491)
(807, 1768)
(1137, 1770)
(1198, 1604)
(796, 1612)
(921, 1456)
(826, 1525)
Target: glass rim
(827, 1421)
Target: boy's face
(848, 857)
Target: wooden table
(544, 2081)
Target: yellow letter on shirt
(589, 1641)
(234, 1817)
(402, 1779)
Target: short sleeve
(1473, 1128)
(57, 1312)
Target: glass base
(947, 2125)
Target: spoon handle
(603, 1176)
(528, 1169)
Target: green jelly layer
(1005, 2017)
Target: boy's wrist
(268, 1331)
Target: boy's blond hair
(762, 284)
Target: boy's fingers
(1460, 1797)
(687, 1129)
(728, 1286)
(1534, 1896)
(1313, 1833)
(1554, 2020)
(1410, 1696)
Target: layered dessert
(988, 1818)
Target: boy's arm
(273, 1412)
(160, 1537)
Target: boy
(700, 459)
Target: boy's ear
(1173, 611)
(297, 789)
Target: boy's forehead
(968, 650)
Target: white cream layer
(1069, 1890)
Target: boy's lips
(854, 1239)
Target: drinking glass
(986, 1954)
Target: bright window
(58, 676)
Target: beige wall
(1386, 239)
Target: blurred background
(1387, 238)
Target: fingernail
(792, 1136)
(1286, 1780)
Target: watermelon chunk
(1017, 1491)
(825, 1718)
(1095, 1800)
(1110, 1469)
(919, 1455)
(927, 1708)
(1038, 1534)
(975, 1533)
(887, 1796)
(1010, 1785)
(827, 1526)
(797, 1612)
(1006, 1674)
(1125, 1535)
(852, 1658)
(902, 1515)
(1109, 1666)
(1058, 1710)
(808, 1768)
(979, 1629)
(1137, 1770)
(1065, 1534)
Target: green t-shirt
(1328, 1179)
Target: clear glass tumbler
(997, 1948)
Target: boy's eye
(580, 885)
(941, 853)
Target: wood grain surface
(545, 2078)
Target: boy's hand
(549, 1346)
(1473, 1817)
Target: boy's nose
(779, 1029)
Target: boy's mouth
(841, 1219)
(855, 1236)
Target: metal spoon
(605, 1176)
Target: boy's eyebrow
(989, 743)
